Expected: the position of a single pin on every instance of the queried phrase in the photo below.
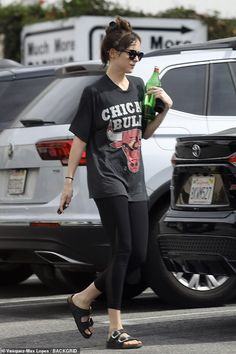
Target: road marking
(10, 329)
(160, 316)
(31, 300)
(39, 326)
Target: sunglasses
(133, 54)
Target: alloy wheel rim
(199, 282)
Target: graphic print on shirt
(124, 131)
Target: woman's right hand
(76, 151)
(66, 195)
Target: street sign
(79, 38)
(51, 42)
(155, 33)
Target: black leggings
(126, 225)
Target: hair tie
(112, 24)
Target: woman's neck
(119, 78)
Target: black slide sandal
(117, 341)
(78, 313)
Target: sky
(226, 8)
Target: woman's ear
(113, 53)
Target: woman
(109, 126)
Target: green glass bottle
(152, 105)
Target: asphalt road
(33, 317)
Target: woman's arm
(158, 92)
(77, 148)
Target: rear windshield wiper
(35, 122)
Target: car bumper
(71, 246)
(191, 243)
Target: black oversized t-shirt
(109, 120)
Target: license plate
(202, 188)
(16, 181)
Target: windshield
(56, 102)
(15, 95)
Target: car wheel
(132, 290)
(11, 274)
(63, 280)
(183, 289)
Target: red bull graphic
(130, 142)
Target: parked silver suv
(38, 105)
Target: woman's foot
(81, 311)
(80, 302)
(119, 339)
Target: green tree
(12, 19)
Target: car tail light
(173, 160)
(58, 150)
(45, 224)
(232, 159)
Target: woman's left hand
(159, 92)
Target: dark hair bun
(119, 25)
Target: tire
(63, 281)
(132, 290)
(11, 274)
(183, 289)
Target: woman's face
(125, 61)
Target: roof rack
(8, 63)
(212, 44)
(91, 67)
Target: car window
(15, 95)
(187, 88)
(222, 94)
(58, 102)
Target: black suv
(198, 233)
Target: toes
(88, 331)
(132, 343)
